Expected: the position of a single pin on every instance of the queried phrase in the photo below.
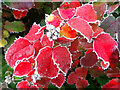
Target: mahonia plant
(46, 54)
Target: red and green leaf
(100, 8)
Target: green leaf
(67, 86)
(39, 5)
(16, 77)
(10, 41)
(12, 85)
(15, 26)
(7, 3)
(3, 42)
(102, 80)
(42, 23)
(48, 10)
(5, 34)
(52, 87)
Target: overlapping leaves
(48, 61)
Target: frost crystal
(9, 79)
(52, 32)
(35, 77)
(17, 62)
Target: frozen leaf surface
(45, 64)
(58, 81)
(66, 14)
(80, 25)
(89, 59)
(22, 68)
(104, 46)
(87, 13)
(62, 58)
(32, 35)
(19, 50)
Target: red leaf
(23, 84)
(81, 72)
(88, 51)
(65, 4)
(100, 8)
(66, 14)
(89, 59)
(113, 72)
(74, 4)
(81, 83)
(29, 78)
(114, 83)
(20, 9)
(76, 55)
(53, 20)
(43, 82)
(81, 26)
(37, 45)
(22, 69)
(31, 72)
(114, 58)
(74, 45)
(96, 71)
(74, 64)
(19, 14)
(64, 40)
(32, 35)
(72, 78)
(98, 31)
(62, 58)
(94, 26)
(58, 81)
(105, 65)
(21, 49)
(67, 31)
(31, 60)
(46, 42)
(104, 46)
(83, 42)
(87, 13)
(45, 64)
(55, 12)
(34, 87)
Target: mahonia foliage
(46, 54)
